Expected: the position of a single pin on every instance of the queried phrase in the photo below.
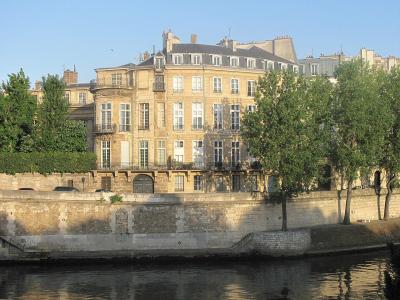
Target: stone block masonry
(76, 224)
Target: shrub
(115, 198)
(47, 162)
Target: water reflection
(358, 276)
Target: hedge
(47, 162)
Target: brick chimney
(70, 77)
(193, 38)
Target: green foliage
(17, 110)
(116, 198)
(287, 132)
(47, 162)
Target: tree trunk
(388, 196)
(346, 220)
(284, 214)
(378, 200)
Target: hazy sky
(47, 36)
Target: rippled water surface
(340, 277)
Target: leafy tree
(360, 123)
(53, 112)
(390, 162)
(287, 132)
(17, 111)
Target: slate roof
(254, 51)
(147, 62)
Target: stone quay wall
(58, 222)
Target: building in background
(376, 60)
(80, 99)
(171, 123)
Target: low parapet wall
(53, 222)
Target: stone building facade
(172, 122)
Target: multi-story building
(323, 65)
(171, 123)
(80, 99)
(376, 60)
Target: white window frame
(82, 97)
(251, 88)
(179, 151)
(218, 116)
(270, 65)
(144, 116)
(197, 183)
(177, 59)
(161, 152)
(106, 116)
(179, 183)
(159, 65)
(316, 69)
(198, 153)
(197, 83)
(251, 108)
(216, 60)
(235, 116)
(125, 117)
(284, 66)
(195, 61)
(143, 154)
(116, 79)
(217, 84)
(235, 153)
(197, 115)
(179, 114)
(160, 114)
(106, 154)
(250, 63)
(177, 84)
(218, 152)
(234, 58)
(235, 87)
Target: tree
(390, 93)
(287, 132)
(52, 113)
(360, 123)
(17, 111)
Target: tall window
(160, 115)
(270, 65)
(198, 182)
(216, 60)
(106, 116)
(251, 88)
(178, 116)
(197, 83)
(218, 116)
(235, 117)
(197, 153)
(234, 62)
(116, 79)
(125, 117)
(143, 116)
(251, 108)
(178, 151)
(143, 154)
(159, 62)
(197, 115)
(234, 86)
(314, 69)
(158, 83)
(177, 82)
(161, 155)
(105, 154)
(179, 183)
(217, 84)
(235, 153)
(177, 59)
(235, 183)
(251, 63)
(218, 153)
(82, 98)
(196, 59)
(66, 97)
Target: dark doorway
(143, 184)
(106, 184)
(325, 182)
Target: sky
(47, 36)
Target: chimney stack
(146, 55)
(70, 77)
(193, 38)
(38, 85)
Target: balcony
(125, 128)
(105, 128)
(109, 83)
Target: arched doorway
(143, 184)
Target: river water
(355, 276)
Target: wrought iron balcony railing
(105, 128)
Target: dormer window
(196, 59)
(314, 69)
(270, 65)
(296, 69)
(251, 63)
(159, 62)
(216, 60)
(283, 66)
(177, 59)
(234, 62)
